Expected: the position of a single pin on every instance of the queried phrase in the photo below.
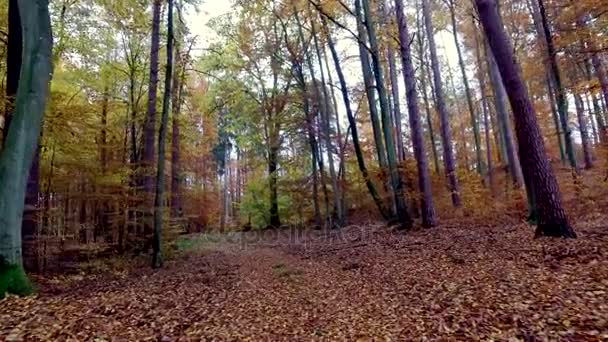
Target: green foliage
(14, 280)
(255, 205)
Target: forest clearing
(303, 170)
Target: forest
(295, 170)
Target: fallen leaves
(456, 282)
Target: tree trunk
(22, 139)
(159, 198)
(176, 152)
(403, 216)
(467, 90)
(392, 72)
(14, 49)
(353, 128)
(582, 124)
(446, 134)
(150, 121)
(429, 218)
(370, 87)
(562, 102)
(504, 121)
(552, 220)
(325, 119)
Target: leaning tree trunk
(387, 125)
(22, 140)
(159, 198)
(552, 219)
(562, 101)
(446, 134)
(429, 218)
(354, 131)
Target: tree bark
(22, 140)
(13, 62)
(552, 219)
(582, 124)
(353, 128)
(429, 218)
(446, 134)
(562, 102)
(159, 198)
(368, 79)
(403, 216)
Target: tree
(446, 134)
(552, 219)
(159, 198)
(424, 182)
(22, 139)
(387, 124)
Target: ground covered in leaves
(456, 282)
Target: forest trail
(457, 282)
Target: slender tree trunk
(552, 219)
(595, 140)
(176, 151)
(423, 78)
(387, 124)
(468, 93)
(325, 119)
(562, 102)
(600, 73)
(486, 112)
(150, 121)
(500, 99)
(582, 124)
(556, 123)
(429, 218)
(22, 139)
(353, 128)
(392, 71)
(446, 134)
(159, 199)
(368, 80)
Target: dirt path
(361, 283)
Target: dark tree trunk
(176, 150)
(273, 155)
(446, 134)
(149, 135)
(387, 125)
(562, 102)
(552, 219)
(429, 218)
(353, 128)
(13, 63)
(368, 79)
(159, 198)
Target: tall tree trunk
(423, 78)
(552, 219)
(368, 79)
(600, 73)
(486, 111)
(273, 156)
(504, 121)
(325, 120)
(562, 102)
(429, 218)
(149, 135)
(159, 198)
(446, 134)
(176, 151)
(540, 32)
(392, 72)
(353, 128)
(467, 90)
(582, 124)
(22, 139)
(403, 216)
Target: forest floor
(456, 282)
